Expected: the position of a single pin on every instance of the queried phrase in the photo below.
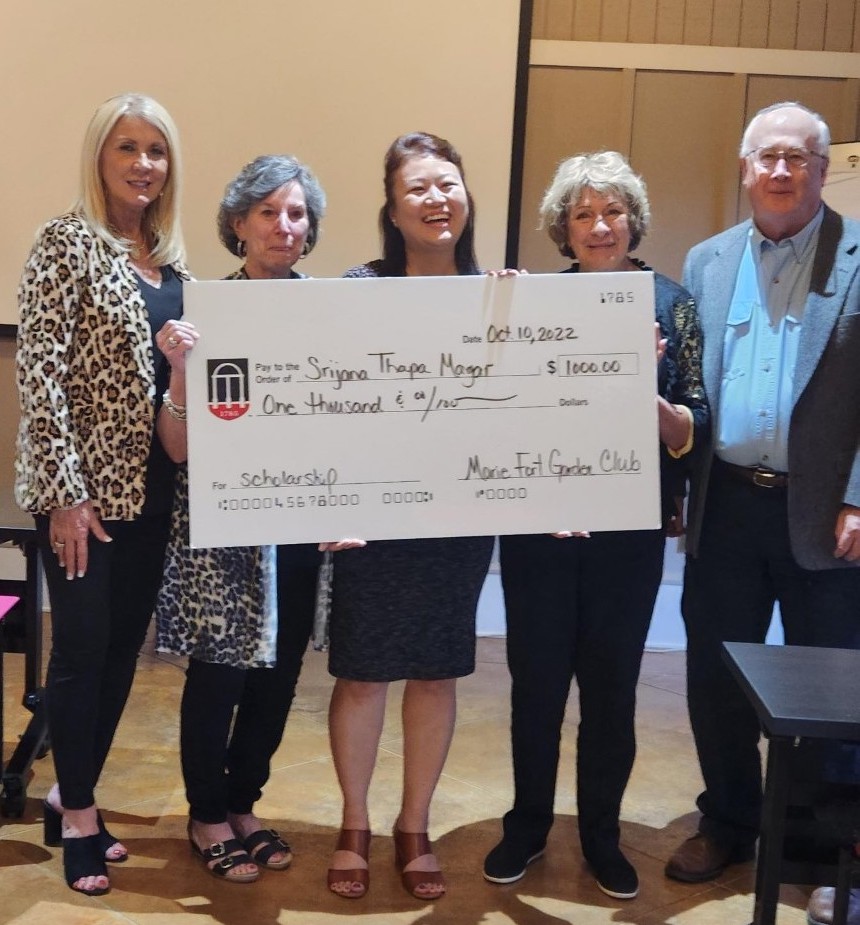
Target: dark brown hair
(421, 144)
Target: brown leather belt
(756, 475)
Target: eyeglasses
(795, 158)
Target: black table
(18, 528)
(797, 692)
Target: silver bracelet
(175, 411)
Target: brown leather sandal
(408, 847)
(357, 841)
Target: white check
(445, 406)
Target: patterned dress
(406, 608)
(217, 605)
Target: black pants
(226, 762)
(576, 607)
(98, 625)
(745, 565)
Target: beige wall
(333, 81)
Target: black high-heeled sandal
(52, 829)
(52, 826)
(107, 842)
(82, 857)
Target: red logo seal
(228, 388)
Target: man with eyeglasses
(776, 517)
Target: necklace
(139, 250)
(141, 260)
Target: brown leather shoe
(821, 903)
(700, 858)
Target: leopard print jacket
(85, 375)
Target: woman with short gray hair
(254, 184)
(579, 605)
(242, 615)
(602, 172)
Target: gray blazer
(824, 431)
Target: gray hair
(822, 146)
(260, 178)
(604, 172)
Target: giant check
(445, 406)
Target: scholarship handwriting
(265, 478)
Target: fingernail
(81, 574)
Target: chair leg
(843, 886)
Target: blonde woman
(100, 283)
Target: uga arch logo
(228, 388)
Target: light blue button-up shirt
(760, 348)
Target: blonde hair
(604, 172)
(161, 217)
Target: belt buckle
(764, 478)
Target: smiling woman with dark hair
(405, 609)
(417, 150)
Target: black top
(679, 378)
(162, 305)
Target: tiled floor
(163, 884)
